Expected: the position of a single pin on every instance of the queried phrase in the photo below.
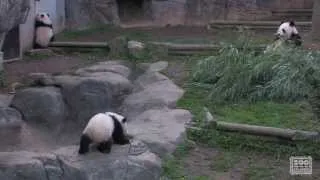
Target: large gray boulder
(105, 67)
(162, 129)
(157, 94)
(66, 164)
(94, 93)
(9, 118)
(41, 105)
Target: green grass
(286, 115)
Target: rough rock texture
(162, 128)
(153, 95)
(151, 114)
(98, 92)
(149, 102)
(158, 66)
(105, 67)
(90, 90)
(9, 118)
(40, 105)
(66, 164)
(12, 13)
(83, 13)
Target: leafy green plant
(240, 73)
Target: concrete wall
(27, 29)
(207, 10)
(57, 13)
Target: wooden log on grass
(290, 134)
(79, 44)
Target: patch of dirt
(203, 161)
(16, 71)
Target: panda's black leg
(105, 147)
(52, 39)
(84, 144)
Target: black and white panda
(43, 31)
(287, 31)
(104, 129)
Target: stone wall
(206, 10)
(80, 13)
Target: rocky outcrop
(151, 111)
(9, 117)
(41, 105)
(64, 163)
(90, 90)
(148, 102)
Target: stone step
(198, 49)
(294, 14)
(258, 25)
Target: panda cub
(104, 129)
(287, 31)
(43, 31)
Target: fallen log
(79, 44)
(290, 134)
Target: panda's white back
(99, 128)
(43, 35)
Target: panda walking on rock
(43, 31)
(104, 129)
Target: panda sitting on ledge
(43, 31)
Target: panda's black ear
(48, 15)
(124, 120)
(281, 22)
(292, 23)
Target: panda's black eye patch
(42, 16)
(124, 120)
(283, 30)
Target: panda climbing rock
(104, 129)
(287, 31)
(43, 31)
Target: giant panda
(104, 129)
(43, 31)
(287, 33)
